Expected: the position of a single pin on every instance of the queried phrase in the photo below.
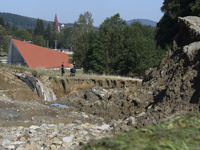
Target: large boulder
(189, 29)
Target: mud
(20, 106)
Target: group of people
(72, 69)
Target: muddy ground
(20, 106)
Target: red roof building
(56, 23)
(34, 56)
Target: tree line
(115, 47)
(38, 36)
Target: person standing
(62, 68)
(74, 68)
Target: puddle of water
(60, 106)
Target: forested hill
(143, 22)
(23, 22)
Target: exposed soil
(20, 106)
(170, 89)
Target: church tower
(56, 24)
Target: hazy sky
(68, 11)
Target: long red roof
(40, 57)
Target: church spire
(56, 23)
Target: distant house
(34, 56)
(64, 51)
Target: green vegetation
(79, 74)
(21, 68)
(80, 37)
(115, 48)
(23, 22)
(175, 134)
(167, 27)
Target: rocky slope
(100, 108)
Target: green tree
(96, 57)
(2, 22)
(104, 52)
(47, 32)
(39, 28)
(23, 34)
(14, 28)
(140, 50)
(65, 37)
(54, 37)
(48, 36)
(195, 7)
(7, 26)
(39, 40)
(112, 39)
(167, 27)
(79, 39)
(117, 48)
(6, 43)
(2, 30)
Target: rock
(103, 127)
(53, 136)
(67, 139)
(9, 146)
(189, 29)
(77, 121)
(57, 141)
(131, 121)
(190, 49)
(141, 114)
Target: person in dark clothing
(74, 67)
(62, 69)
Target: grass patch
(176, 134)
(80, 74)
(21, 68)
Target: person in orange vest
(73, 69)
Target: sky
(68, 11)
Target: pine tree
(14, 28)
(7, 26)
(79, 39)
(2, 22)
(47, 32)
(39, 28)
(117, 48)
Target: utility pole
(56, 44)
(47, 44)
(1, 48)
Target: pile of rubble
(171, 88)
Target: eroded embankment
(12, 86)
(67, 86)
